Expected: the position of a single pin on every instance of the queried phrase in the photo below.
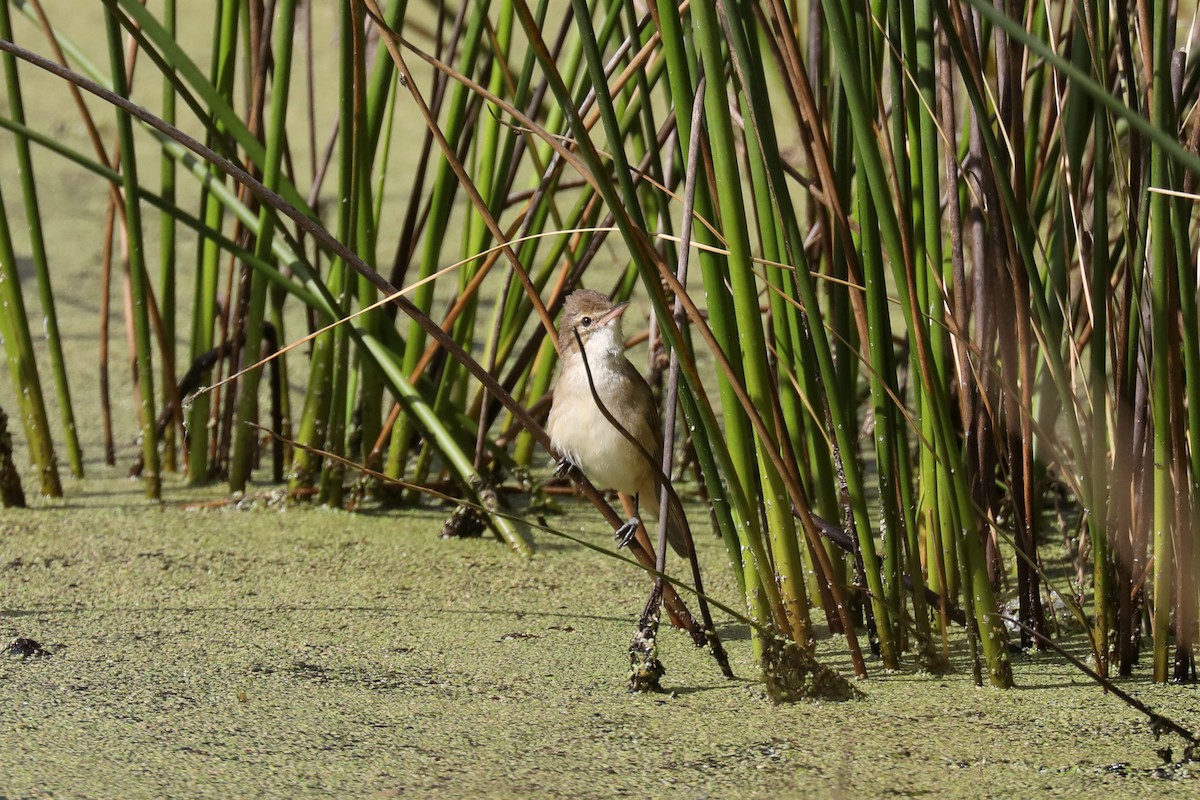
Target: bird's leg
(624, 534)
(565, 468)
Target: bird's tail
(678, 532)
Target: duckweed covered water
(266, 653)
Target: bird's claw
(564, 469)
(624, 534)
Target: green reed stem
(244, 436)
(168, 257)
(22, 364)
(1100, 278)
(204, 309)
(138, 279)
(33, 219)
(1161, 336)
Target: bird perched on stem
(582, 434)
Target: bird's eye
(586, 321)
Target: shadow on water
(64, 302)
(25, 270)
(733, 631)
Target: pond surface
(267, 653)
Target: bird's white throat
(605, 343)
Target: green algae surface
(267, 653)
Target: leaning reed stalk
(22, 365)
(792, 242)
(962, 545)
(209, 98)
(37, 245)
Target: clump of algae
(791, 673)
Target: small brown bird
(578, 429)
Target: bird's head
(597, 321)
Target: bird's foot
(565, 468)
(624, 534)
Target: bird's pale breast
(581, 433)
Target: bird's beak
(613, 313)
